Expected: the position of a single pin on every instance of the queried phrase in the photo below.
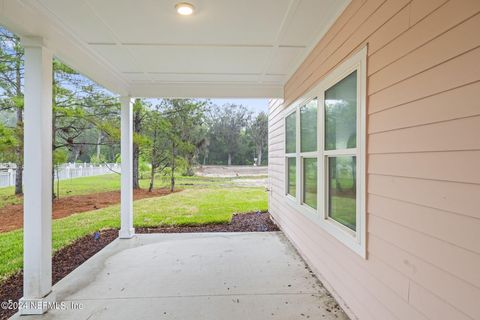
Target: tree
(8, 142)
(85, 116)
(11, 91)
(82, 111)
(186, 118)
(157, 146)
(227, 122)
(139, 116)
(259, 133)
(60, 156)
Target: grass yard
(111, 182)
(70, 187)
(203, 201)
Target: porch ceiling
(227, 48)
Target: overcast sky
(255, 105)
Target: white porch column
(37, 212)
(126, 213)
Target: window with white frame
(290, 152)
(308, 152)
(325, 153)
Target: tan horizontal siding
(277, 140)
(278, 165)
(451, 135)
(447, 46)
(436, 23)
(390, 30)
(454, 197)
(461, 71)
(454, 292)
(463, 233)
(422, 8)
(446, 256)
(432, 109)
(423, 202)
(419, 165)
(431, 304)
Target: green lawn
(71, 187)
(111, 182)
(203, 201)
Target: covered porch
(377, 187)
(226, 49)
(194, 276)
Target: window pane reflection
(341, 114)
(292, 173)
(290, 133)
(310, 182)
(342, 190)
(308, 127)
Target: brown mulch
(69, 258)
(243, 222)
(11, 216)
(64, 261)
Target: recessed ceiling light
(184, 8)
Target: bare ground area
(252, 176)
(11, 216)
(69, 258)
(231, 171)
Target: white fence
(65, 171)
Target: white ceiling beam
(154, 90)
(288, 17)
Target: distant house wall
(423, 161)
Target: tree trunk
(259, 156)
(19, 150)
(190, 172)
(229, 159)
(19, 155)
(137, 123)
(172, 181)
(152, 179)
(99, 140)
(76, 154)
(136, 173)
(58, 184)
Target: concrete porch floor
(195, 276)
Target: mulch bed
(69, 258)
(64, 261)
(244, 222)
(11, 216)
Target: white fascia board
(206, 91)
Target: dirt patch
(11, 216)
(231, 171)
(69, 258)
